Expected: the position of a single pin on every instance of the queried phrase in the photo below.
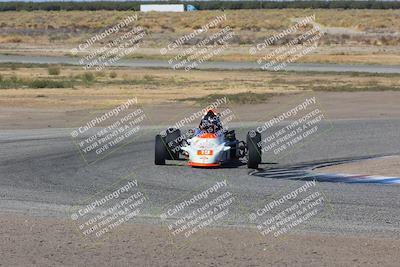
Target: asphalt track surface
(308, 171)
(304, 67)
(41, 173)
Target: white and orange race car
(207, 149)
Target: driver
(210, 123)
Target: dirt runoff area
(385, 166)
(36, 241)
(337, 105)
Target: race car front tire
(160, 151)
(253, 149)
(172, 143)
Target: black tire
(253, 149)
(160, 151)
(230, 136)
(171, 141)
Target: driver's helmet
(211, 112)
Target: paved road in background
(135, 63)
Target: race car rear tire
(172, 142)
(160, 151)
(253, 149)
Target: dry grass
(74, 26)
(364, 20)
(253, 20)
(56, 32)
(153, 86)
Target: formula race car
(207, 149)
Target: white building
(163, 8)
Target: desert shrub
(15, 82)
(54, 70)
(88, 77)
(44, 83)
(113, 75)
(239, 98)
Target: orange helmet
(213, 110)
